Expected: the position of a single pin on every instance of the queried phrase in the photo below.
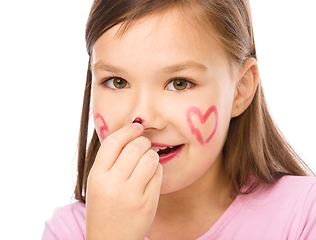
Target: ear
(246, 86)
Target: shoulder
(296, 182)
(301, 193)
(290, 187)
(295, 186)
(298, 190)
(68, 222)
(292, 191)
(286, 207)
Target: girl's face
(174, 76)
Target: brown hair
(254, 145)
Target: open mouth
(165, 150)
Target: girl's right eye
(116, 83)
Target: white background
(43, 66)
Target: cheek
(202, 125)
(105, 113)
(100, 125)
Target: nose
(147, 109)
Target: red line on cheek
(103, 127)
(203, 118)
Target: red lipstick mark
(138, 120)
(203, 118)
(103, 127)
(166, 158)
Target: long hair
(254, 145)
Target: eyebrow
(185, 66)
(99, 66)
(169, 69)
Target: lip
(166, 158)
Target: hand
(123, 187)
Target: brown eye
(119, 83)
(180, 84)
(116, 83)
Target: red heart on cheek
(203, 118)
(103, 127)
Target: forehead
(182, 34)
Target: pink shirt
(286, 210)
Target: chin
(171, 186)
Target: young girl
(184, 146)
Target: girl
(184, 146)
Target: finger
(130, 156)
(145, 169)
(112, 146)
(152, 190)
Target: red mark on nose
(138, 120)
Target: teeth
(158, 148)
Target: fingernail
(137, 126)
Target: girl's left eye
(179, 84)
(116, 83)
